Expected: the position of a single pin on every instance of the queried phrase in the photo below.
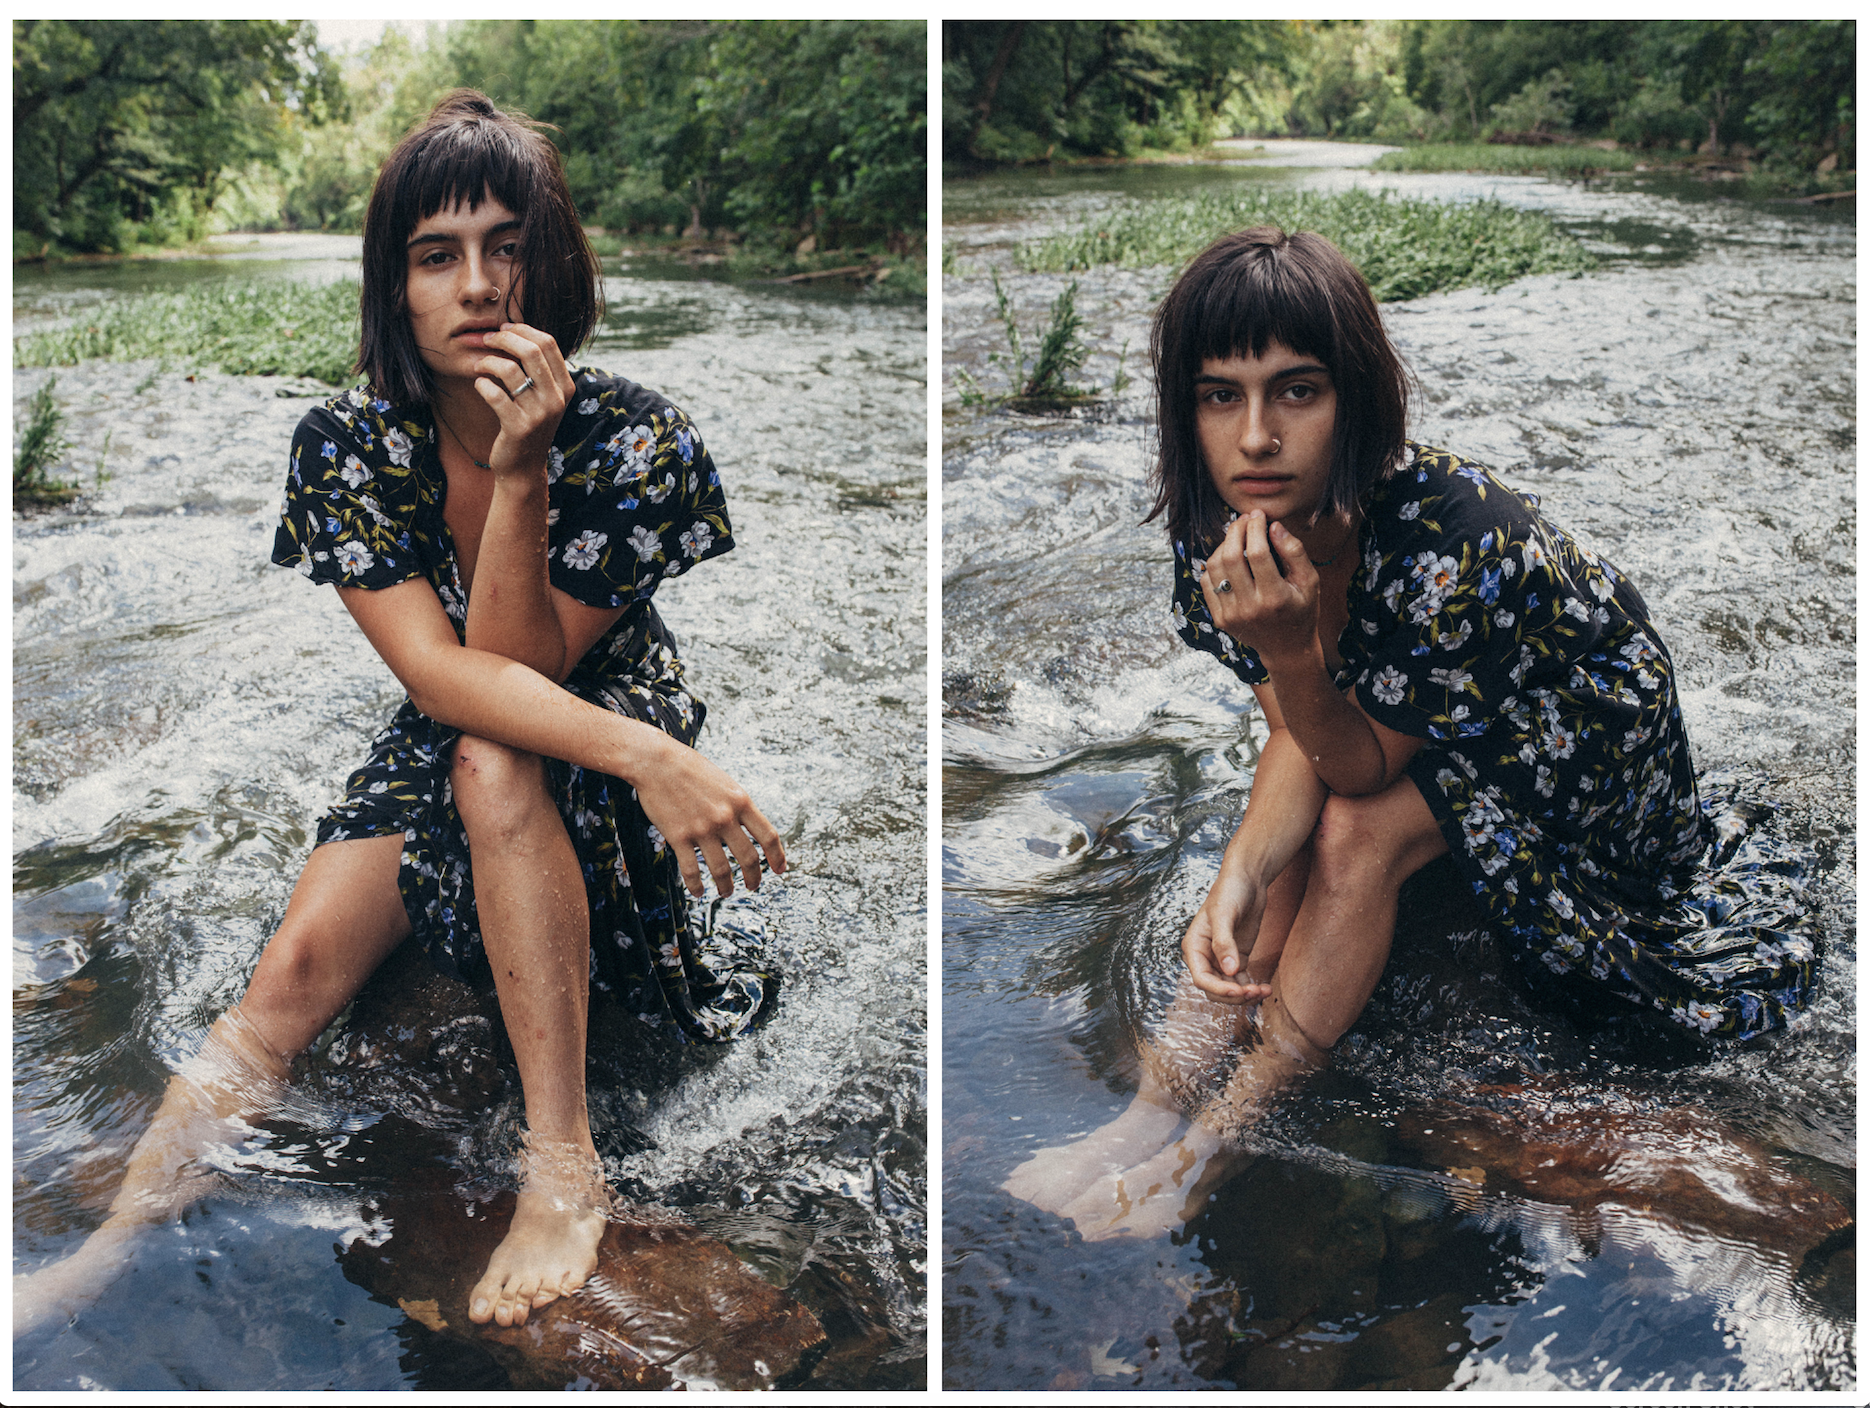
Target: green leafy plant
(1045, 384)
(1405, 248)
(40, 446)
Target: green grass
(244, 329)
(1489, 156)
(1406, 248)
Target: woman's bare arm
(693, 803)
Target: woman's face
(462, 269)
(1265, 427)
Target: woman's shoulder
(1438, 493)
(356, 431)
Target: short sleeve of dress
(351, 495)
(1196, 627)
(635, 495)
(1470, 604)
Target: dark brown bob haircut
(1240, 294)
(465, 152)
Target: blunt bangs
(466, 152)
(1239, 296)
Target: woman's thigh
(345, 916)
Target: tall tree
(121, 123)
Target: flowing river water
(183, 711)
(1617, 1218)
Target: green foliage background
(135, 132)
(1016, 90)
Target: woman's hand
(528, 418)
(1223, 930)
(696, 806)
(1274, 612)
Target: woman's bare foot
(1053, 1177)
(1156, 1196)
(550, 1248)
(234, 1078)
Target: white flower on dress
(656, 841)
(658, 490)
(1388, 685)
(1409, 510)
(399, 445)
(586, 407)
(1452, 680)
(1561, 904)
(647, 544)
(354, 557)
(354, 472)
(554, 465)
(581, 552)
(1704, 1015)
(1503, 618)
(696, 540)
(1533, 553)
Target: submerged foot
(1154, 1197)
(550, 1248)
(1054, 1177)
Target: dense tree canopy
(130, 131)
(1022, 89)
(120, 124)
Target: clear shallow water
(183, 711)
(1690, 408)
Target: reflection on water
(1479, 1193)
(183, 711)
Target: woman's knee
(497, 790)
(1374, 841)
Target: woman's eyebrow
(442, 237)
(1300, 369)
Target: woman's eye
(509, 250)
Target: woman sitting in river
(496, 522)
(1442, 671)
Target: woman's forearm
(500, 699)
(1282, 809)
(509, 602)
(1335, 739)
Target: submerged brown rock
(668, 1305)
(1677, 1163)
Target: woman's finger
(1296, 561)
(717, 866)
(691, 872)
(741, 844)
(768, 839)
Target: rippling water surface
(183, 711)
(1690, 409)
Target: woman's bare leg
(535, 922)
(1362, 851)
(344, 918)
(1175, 1062)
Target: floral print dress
(633, 498)
(1555, 759)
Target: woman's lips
(1251, 485)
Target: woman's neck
(464, 422)
(1328, 536)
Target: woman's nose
(477, 282)
(1256, 435)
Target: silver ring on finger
(523, 388)
(1223, 585)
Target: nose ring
(1275, 449)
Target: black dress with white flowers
(633, 498)
(1555, 759)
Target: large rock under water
(668, 1305)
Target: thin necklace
(482, 464)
